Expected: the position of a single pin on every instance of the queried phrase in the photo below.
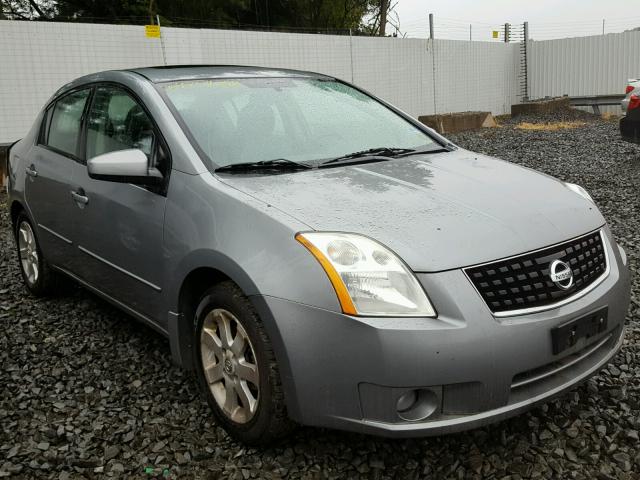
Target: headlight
(368, 278)
(580, 191)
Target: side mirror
(124, 166)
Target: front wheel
(236, 367)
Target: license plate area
(567, 335)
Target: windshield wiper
(380, 152)
(439, 149)
(275, 164)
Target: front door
(119, 225)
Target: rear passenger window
(64, 124)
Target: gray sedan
(314, 254)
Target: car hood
(438, 211)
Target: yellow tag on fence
(152, 31)
(495, 33)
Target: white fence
(598, 65)
(417, 75)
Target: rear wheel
(38, 277)
(236, 367)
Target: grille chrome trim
(551, 306)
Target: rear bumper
(630, 126)
(348, 373)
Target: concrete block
(458, 122)
(545, 106)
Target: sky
(547, 19)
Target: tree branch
(16, 14)
(35, 6)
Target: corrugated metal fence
(598, 65)
(418, 75)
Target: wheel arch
(198, 272)
(192, 288)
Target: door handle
(80, 197)
(31, 171)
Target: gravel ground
(87, 392)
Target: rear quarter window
(64, 120)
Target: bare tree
(380, 14)
(393, 19)
(384, 5)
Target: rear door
(119, 226)
(49, 170)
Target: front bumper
(348, 372)
(630, 126)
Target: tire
(225, 304)
(41, 281)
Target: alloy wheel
(28, 252)
(229, 365)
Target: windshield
(260, 119)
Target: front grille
(523, 282)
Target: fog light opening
(416, 405)
(407, 400)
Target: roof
(171, 73)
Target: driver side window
(117, 122)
